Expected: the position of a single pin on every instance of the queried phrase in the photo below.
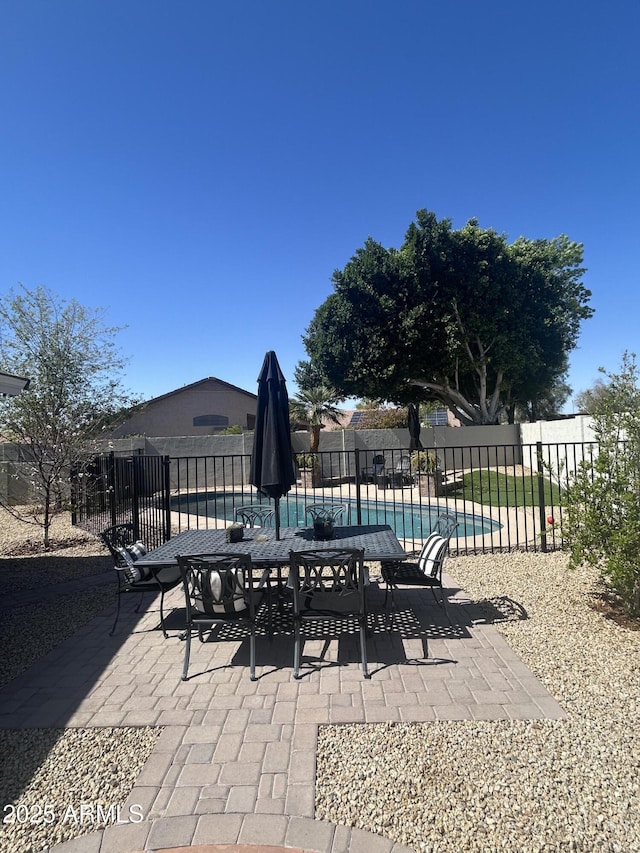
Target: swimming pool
(407, 520)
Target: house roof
(202, 382)
(11, 385)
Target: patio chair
(445, 525)
(336, 512)
(255, 515)
(119, 539)
(329, 585)
(402, 472)
(371, 474)
(427, 571)
(220, 589)
(324, 516)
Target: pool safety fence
(506, 497)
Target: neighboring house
(11, 386)
(202, 408)
(438, 417)
(344, 416)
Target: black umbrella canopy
(271, 469)
(414, 427)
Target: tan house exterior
(202, 408)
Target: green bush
(308, 460)
(602, 512)
(424, 461)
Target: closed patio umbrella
(271, 469)
(414, 427)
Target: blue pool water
(407, 520)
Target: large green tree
(543, 404)
(592, 399)
(72, 361)
(458, 316)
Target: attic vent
(211, 421)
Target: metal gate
(109, 489)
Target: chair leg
(187, 650)
(391, 611)
(389, 581)
(442, 604)
(269, 613)
(363, 648)
(366, 616)
(252, 655)
(166, 636)
(296, 650)
(137, 610)
(443, 599)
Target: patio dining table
(378, 542)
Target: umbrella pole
(277, 503)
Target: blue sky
(199, 168)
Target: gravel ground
(60, 767)
(571, 785)
(467, 787)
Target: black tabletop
(378, 541)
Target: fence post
(135, 495)
(73, 477)
(166, 461)
(112, 487)
(541, 505)
(358, 481)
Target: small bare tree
(74, 394)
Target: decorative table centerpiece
(323, 528)
(234, 533)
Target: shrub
(424, 461)
(602, 519)
(308, 460)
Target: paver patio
(235, 763)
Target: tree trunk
(314, 438)
(467, 412)
(46, 521)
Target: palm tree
(312, 406)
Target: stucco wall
(456, 448)
(564, 444)
(579, 428)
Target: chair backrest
(255, 515)
(326, 574)
(404, 464)
(216, 585)
(327, 511)
(378, 464)
(118, 540)
(446, 524)
(432, 555)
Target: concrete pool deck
(521, 524)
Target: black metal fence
(110, 489)
(506, 497)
